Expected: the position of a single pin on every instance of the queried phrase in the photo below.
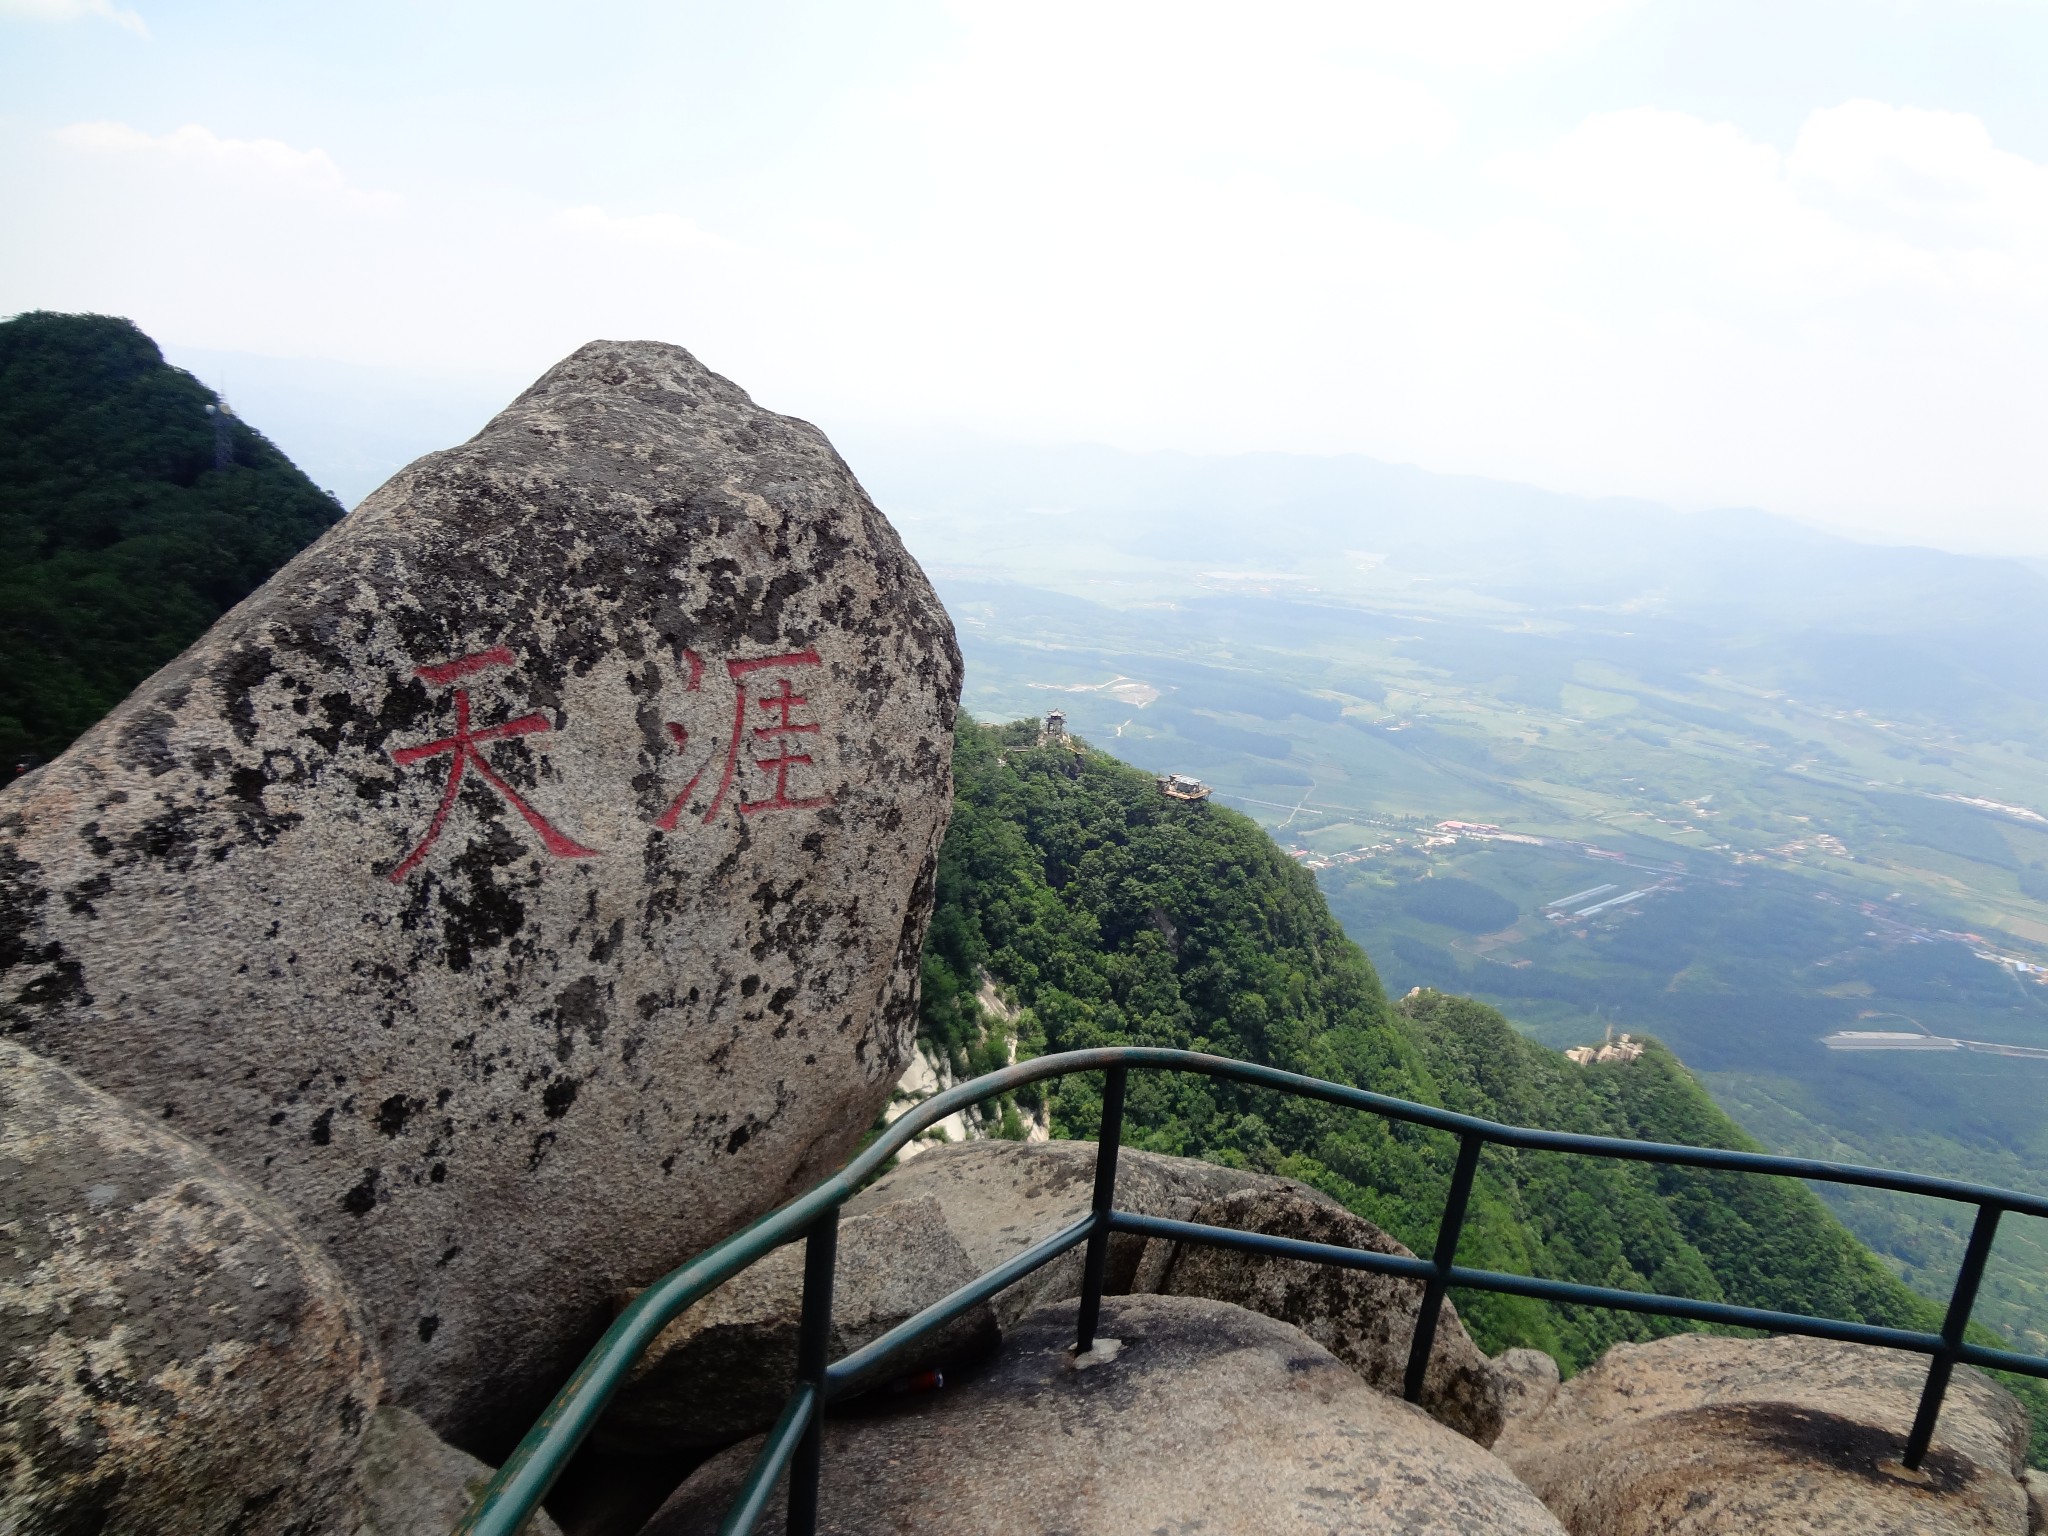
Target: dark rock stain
(362, 1199)
(558, 1096)
(256, 821)
(490, 914)
(168, 839)
(1807, 1435)
(606, 947)
(578, 1007)
(244, 670)
(395, 1111)
(80, 898)
(145, 742)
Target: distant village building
(1179, 786)
(1609, 1049)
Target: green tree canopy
(1113, 915)
(120, 541)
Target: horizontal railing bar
(1544, 1290)
(842, 1375)
(773, 1461)
(531, 1470)
(1723, 1313)
(1550, 1290)
(1406, 1266)
(1160, 1058)
(2003, 1360)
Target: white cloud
(1189, 225)
(1451, 34)
(1929, 178)
(1130, 87)
(76, 10)
(656, 231)
(1869, 197)
(262, 165)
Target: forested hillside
(120, 539)
(1111, 914)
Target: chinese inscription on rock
(771, 724)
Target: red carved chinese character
(681, 737)
(462, 752)
(782, 702)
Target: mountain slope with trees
(1110, 914)
(121, 539)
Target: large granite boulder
(1000, 1197)
(172, 1356)
(1365, 1320)
(727, 1365)
(1189, 1415)
(1529, 1380)
(526, 885)
(1700, 1436)
(416, 1484)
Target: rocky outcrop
(526, 885)
(1700, 1436)
(1365, 1320)
(1528, 1379)
(726, 1366)
(415, 1484)
(1190, 1415)
(1000, 1197)
(172, 1356)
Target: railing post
(1107, 1140)
(1960, 1301)
(1446, 1254)
(813, 1343)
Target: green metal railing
(796, 1443)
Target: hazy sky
(1789, 253)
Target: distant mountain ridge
(1397, 509)
(1355, 529)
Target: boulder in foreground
(1200, 1417)
(414, 1484)
(1000, 1197)
(726, 1366)
(1365, 1320)
(1700, 1436)
(172, 1356)
(526, 885)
